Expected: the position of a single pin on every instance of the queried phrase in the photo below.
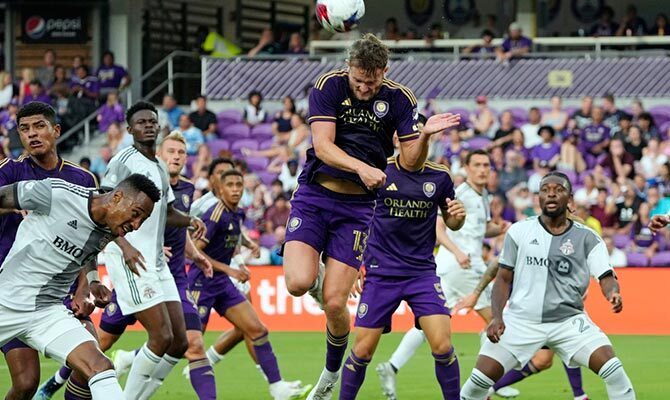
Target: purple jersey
(176, 237)
(223, 234)
(23, 169)
(44, 98)
(110, 77)
(89, 83)
(546, 151)
(593, 135)
(364, 129)
(109, 115)
(510, 44)
(402, 235)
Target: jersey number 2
(582, 325)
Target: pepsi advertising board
(40, 25)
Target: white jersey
(203, 204)
(551, 272)
(148, 240)
(52, 244)
(470, 237)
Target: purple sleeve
(92, 85)
(121, 71)
(527, 42)
(448, 191)
(7, 172)
(407, 116)
(322, 102)
(506, 45)
(212, 226)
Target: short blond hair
(174, 135)
(369, 54)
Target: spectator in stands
(285, 121)
(254, 113)
(583, 117)
(652, 160)
(549, 151)
(289, 175)
(653, 196)
(632, 24)
(411, 34)
(627, 208)
(612, 113)
(84, 85)
(556, 117)
(617, 164)
(605, 25)
(59, 90)
(536, 176)
(12, 146)
(660, 27)
(485, 47)
(112, 77)
(255, 212)
(264, 257)
(117, 138)
(584, 213)
(171, 113)
(276, 188)
(522, 201)
(27, 76)
(45, 73)
(617, 256)
(194, 137)
(453, 150)
(605, 211)
(643, 239)
(636, 108)
(595, 137)
(531, 128)
(296, 46)
(518, 144)
(497, 158)
(504, 133)
(621, 130)
(6, 89)
(280, 235)
(493, 184)
(204, 119)
(37, 93)
(647, 126)
(634, 143)
(110, 112)
(99, 163)
(251, 183)
(587, 194)
(571, 158)
(391, 31)
(513, 173)
(516, 45)
(77, 61)
(277, 214)
(202, 160)
(482, 119)
(267, 44)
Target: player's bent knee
(335, 306)
(257, 330)
(363, 352)
(297, 286)
(24, 386)
(442, 347)
(159, 342)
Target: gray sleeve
(509, 252)
(115, 173)
(34, 195)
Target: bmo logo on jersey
(537, 261)
(67, 247)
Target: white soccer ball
(339, 15)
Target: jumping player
(47, 256)
(560, 254)
(353, 115)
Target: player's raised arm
(414, 135)
(28, 195)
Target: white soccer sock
(144, 364)
(162, 370)
(260, 369)
(477, 386)
(617, 383)
(213, 356)
(104, 386)
(59, 379)
(412, 340)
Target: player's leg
(353, 373)
(24, 369)
(542, 360)
(96, 369)
(487, 370)
(77, 385)
(575, 378)
(607, 365)
(438, 333)
(301, 262)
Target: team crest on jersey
(362, 310)
(567, 248)
(202, 310)
(429, 189)
(294, 224)
(381, 108)
(185, 199)
(111, 309)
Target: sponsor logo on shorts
(111, 309)
(567, 248)
(429, 189)
(362, 310)
(149, 292)
(294, 224)
(202, 310)
(381, 108)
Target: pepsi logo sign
(35, 27)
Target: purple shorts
(218, 293)
(382, 296)
(333, 223)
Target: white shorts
(458, 282)
(243, 287)
(53, 331)
(523, 338)
(138, 293)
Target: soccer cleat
(325, 386)
(48, 389)
(387, 380)
(283, 390)
(317, 290)
(122, 360)
(506, 392)
(582, 397)
(186, 372)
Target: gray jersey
(148, 240)
(52, 244)
(203, 204)
(551, 273)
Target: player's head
(555, 194)
(38, 130)
(142, 119)
(231, 187)
(478, 167)
(172, 150)
(368, 62)
(130, 204)
(216, 168)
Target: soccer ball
(339, 15)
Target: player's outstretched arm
(7, 198)
(413, 153)
(443, 240)
(241, 274)
(493, 229)
(183, 220)
(198, 257)
(612, 292)
(658, 222)
(499, 297)
(469, 301)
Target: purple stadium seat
(570, 109)
(637, 260)
(270, 117)
(233, 115)
(660, 259)
(266, 144)
(268, 240)
(217, 146)
(663, 129)
(235, 132)
(620, 241)
(189, 162)
(267, 177)
(237, 146)
(479, 142)
(464, 112)
(262, 132)
(572, 176)
(519, 114)
(257, 164)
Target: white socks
(617, 383)
(104, 386)
(477, 386)
(412, 340)
(213, 356)
(162, 370)
(144, 364)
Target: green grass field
(301, 356)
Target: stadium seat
(267, 177)
(217, 146)
(479, 142)
(262, 132)
(637, 260)
(268, 240)
(237, 146)
(266, 144)
(236, 132)
(660, 259)
(572, 175)
(463, 112)
(663, 129)
(232, 115)
(519, 114)
(620, 241)
(257, 164)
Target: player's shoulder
(440, 170)
(400, 90)
(124, 155)
(590, 235)
(528, 226)
(465, 191)
(88, 179)
(185, 182)
(63, 187)
(9, 164)
(217, 213)
(331, 78)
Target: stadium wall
(643, 292)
